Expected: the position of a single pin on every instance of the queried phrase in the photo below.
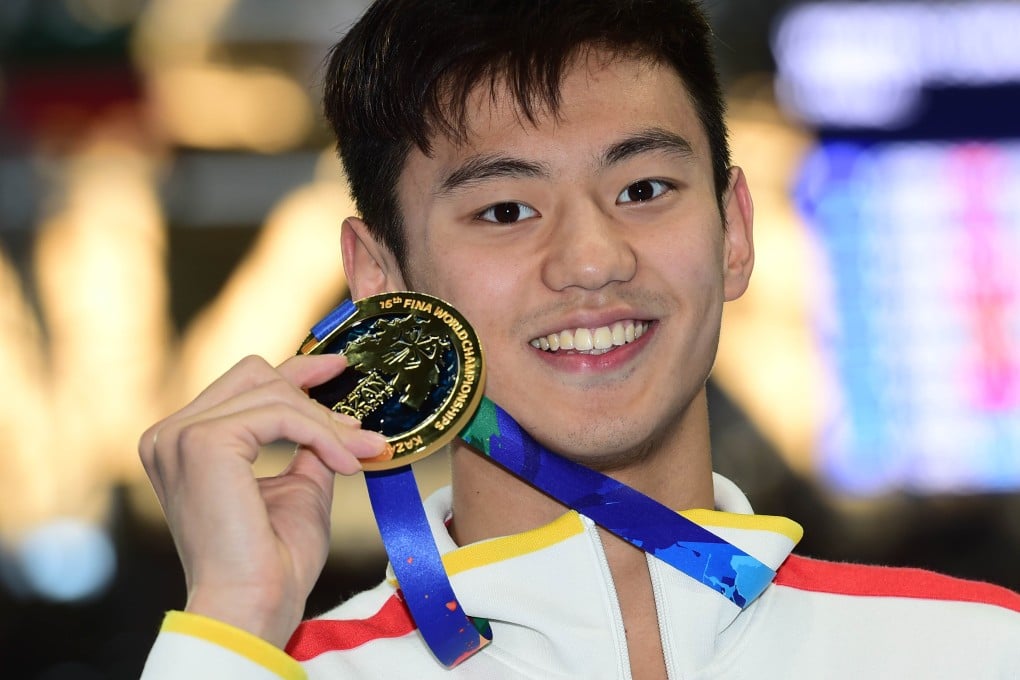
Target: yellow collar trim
(732, 520)
(505, 547)
(569, 524)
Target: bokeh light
(867, 64)
(65, 560)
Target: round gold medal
(415, 371)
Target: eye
(644, 190)
(507, 213)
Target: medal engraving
(403, 350)
(415, 372)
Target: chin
(613, 461)
(604, 447)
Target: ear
(738, 247)
(369, 264)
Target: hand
(253, 548)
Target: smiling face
(588, 252)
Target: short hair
(402, 75)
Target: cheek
(486, 289)
(687, 265)
(470, 273)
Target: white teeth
(592, 340)
(602, 338)
(619, 335)
(583, 340)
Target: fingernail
(386, 454)
(373, 444)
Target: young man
(559, 172)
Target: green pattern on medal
(482, 426)
(398, 356)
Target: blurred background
(170, 202)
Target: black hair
(402, 75)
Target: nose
(588, 251)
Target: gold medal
(415, 371)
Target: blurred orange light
(218, 107)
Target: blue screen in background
(919, 316)
(912, 198)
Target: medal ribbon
(620, 509)
(450, 633)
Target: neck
(676, 470)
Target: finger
(160, 448)
(280, 393)
(306, 371)
(306, 464)
(240, 435)
(245, 374)
(248, 376)
(252, 371)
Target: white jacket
(552, 605)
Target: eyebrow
(648, 140)
(481, 168)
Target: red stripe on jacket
(319, 636)
(805, 573)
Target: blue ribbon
(622, 510)
(339, 315)
(449, 632)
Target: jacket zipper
(615, 613)
(653, 575)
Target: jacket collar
(550, 598)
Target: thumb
(308, 465)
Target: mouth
(592, 341)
